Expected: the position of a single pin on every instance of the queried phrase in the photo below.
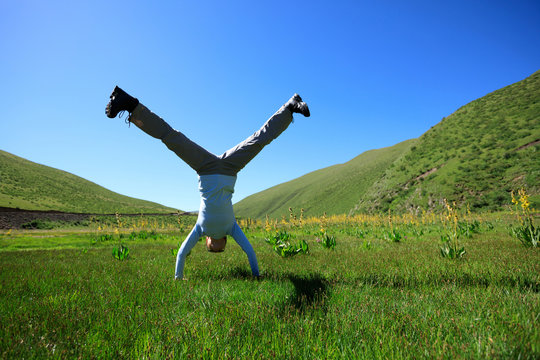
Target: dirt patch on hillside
(14, 218)
(426, 174)
(532, 143)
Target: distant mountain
(27, 185)
(475, 156)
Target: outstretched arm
(241, 239)
(186, 247)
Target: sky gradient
(374, 73)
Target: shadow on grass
(524, 283)
(310, 289)
(310, 293)
(240, 273)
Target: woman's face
(216, 245)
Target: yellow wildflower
(524, 199)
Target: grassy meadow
(383, 291)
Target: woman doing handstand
(217, 174)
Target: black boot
(120, 101)
(296, 105)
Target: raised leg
(238, 157)
(194, 155)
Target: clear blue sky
(374, 73)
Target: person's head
(216, 245)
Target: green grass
(31, 186)
(382, 300)
(472, 156)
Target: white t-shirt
(216, 214)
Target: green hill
(334, 189)
(475, 156)
(27, 185)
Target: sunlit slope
(27, 185)
(334, 190)
(474, 157)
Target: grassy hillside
(334, 189)
(32, 186)
(474, 156)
